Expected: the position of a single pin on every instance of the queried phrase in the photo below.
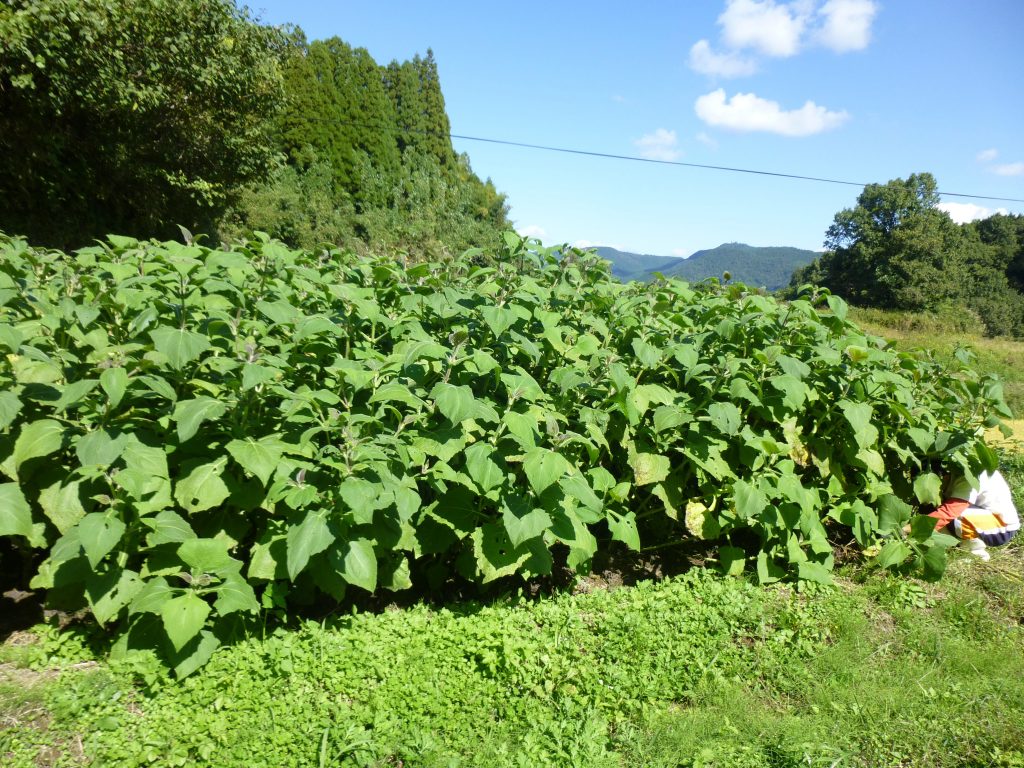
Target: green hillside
(635, 266)
(770, 267)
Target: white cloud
(533, 230)
(846, 24)
(749, 112)
(731, 64)
(681, 253)
(773, 29)
(961, 213)
(1009, 169)
(660, 145)
(987, 155)
(782, 29)
(706, 140)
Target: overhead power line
(636, 159)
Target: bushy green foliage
(897, 250)
(946, 331)
(397, 184)
(191, 435)
(137, 117)
(337, 106)
(133, 117)
(433, 213)
(298, 205)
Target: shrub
(191, 435)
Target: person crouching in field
(980, 517)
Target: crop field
(308, 508)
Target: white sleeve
(994, 496)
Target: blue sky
(859, 90)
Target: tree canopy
(897, 249)
(382, 136)
(130, 117)
(133, 116)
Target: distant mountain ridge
(769, 267)
(635, 266)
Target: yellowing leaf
(649, 468)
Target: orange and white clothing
(982, 516)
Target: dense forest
(896, 249)
(127, 117)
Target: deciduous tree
(130, 116)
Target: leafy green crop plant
(191, 435)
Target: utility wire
(635, 159)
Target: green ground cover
(696, 670)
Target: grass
(698, 670)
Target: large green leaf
(195, 654)
(179, 346)
(168, 528)
(455, 402)
(183, 617)
(522, 386)
(202, 487)
(893, 512)
(810, 571)
(361, 496)
(395, 392)
(726, 417)
(38, 439)
(148, 460)
(206, 554)
(359, 564)
(623, 528)
(649, 468)
(99, 448)
(190, 414)
(152, 596)
(482, 468)
(859, 416)
(893, 553)
(10, 407)
(749, 500)
(99, 533)
(928, 488)
(522, 521)
(307, 538)
(15, 513)
(108, 593)
(114, 382)
(61, 503)
(648, 354)
(544, 467)
(260, 457)
(73, 394)
(235, 594)
(498, 319)
(496, 555)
